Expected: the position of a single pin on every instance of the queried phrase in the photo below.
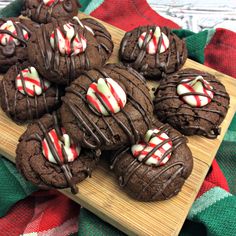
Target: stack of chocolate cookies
(78, 107)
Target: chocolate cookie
(14, 34)
(153, 51)
(156, 168)
(62, 50)
(26, 95)
(44, 11)
(106, 108)
(192, 101)
(47, 156)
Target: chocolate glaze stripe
(56, 59)
(64, 166)
(194, 116)
(163, 171)
(212, 134)
(46, 52)
(14, 105)
(137, 75)
(164, 67)
(119, 154)
(206, 110)
(142, 51)
(173, 176)
(140, 109)
(6, 97)
(185, 74)
(135, 132)
(26, 94)
(77, 112)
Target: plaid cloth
(26, 211)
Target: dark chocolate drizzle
(10, 48)
(212, 134)
(11, 110)
(134, 165)
(99, 137)
(137, 61)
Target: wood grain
(101, 193)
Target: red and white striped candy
(197, 85)
(152, 139)
(110, 92)
(71, 149)
(71, 43)
(83, 26)
(153, 39)
(48, 3)
(32, 82)
(6, 38)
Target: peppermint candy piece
(6, 38)
(197, 92)
(84, 26)
(34, 85)
(106, 96)
(48, 3)
(154, 40)
(72, 151)
(69, 44)
(154, 140)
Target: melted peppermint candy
(67, 151)
(6, 38)
(83, 26)
(106, 96)
(48, 3)
(156, 150)
(196, 92)
(29, 82)
(70, 43)
(157, 41)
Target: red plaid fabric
(45, 213)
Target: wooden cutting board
(101, 193)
